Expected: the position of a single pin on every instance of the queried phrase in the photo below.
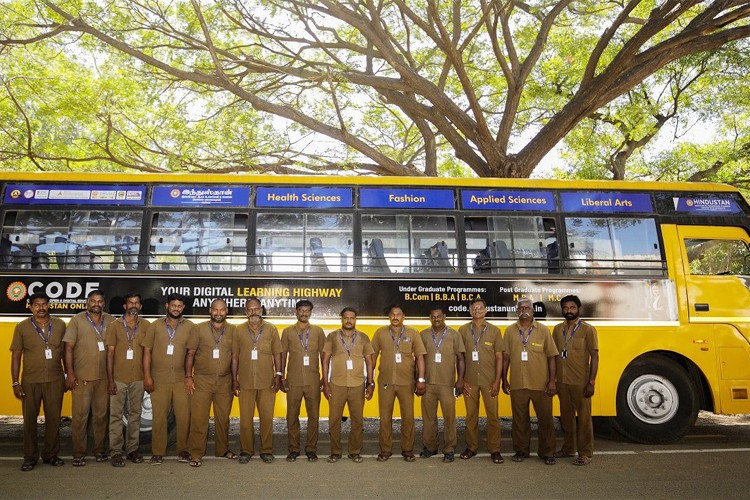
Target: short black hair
(176, 296)
(38, 296)
(392, 307)
(478, 299)
(348, 309)
(131, 296)
(437, 307)
(571, 298)
(303, 303)
(95, 292)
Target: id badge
(349, 364)
(101, 345)
(48, 354)
(438, 357)
(129, 354)
(475, 355)
(216, 354)
(524, 356)
(564, 354)
(254, 355)
(398, 357)
(305, 360)
(170, 350)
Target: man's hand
(148, 383)
(506, 387)
(369, 391)
(276, 383)
(236, 388)
(284, 385)
(71, 382)
(18, 392)
(327, 390)
(495, 389)
(588, 391)
(189, 386)
(551, 389)
(421, 388)
(112, 388)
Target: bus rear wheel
(656, 401)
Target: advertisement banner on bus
(64, 194)
(627, 300)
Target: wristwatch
(421, 380)
(591, 382)
(15, 384)
(370, 384)
(279, 374)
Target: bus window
(198, 241)
(713, 257)
(402, 243)
(307, 242)
(621, 246)
(509, 245)
(32, 235)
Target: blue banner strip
(67, 194)
(406, 198)
(201, 196)
(605, 202)
(703, 205)
(507, 200)
(295, 197)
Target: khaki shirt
(334, 346)
(203, 341)
(297, 374)
(580, 346)
(37, 369)
(534, 373)
(127, 370)
(256, 374)
(166, 368)
(487, 342)
(89, 363)
(410, 346)
(444, 372)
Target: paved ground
(711, 462)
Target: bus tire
(657, 403)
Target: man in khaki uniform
(302, 345)
(164, 351)
(208, 379)
(37, 341)
(349, 351)
(256, 356)
(125, 379)
(531, 358)
(577, 366)
(445, 357)
(484, 368)
(399, 348)
(86, 364)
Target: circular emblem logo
(689, 202)
(15, 193)
(16, 291)
(28, 194)
(175, 193)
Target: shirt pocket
(406, 347)
(264, 344)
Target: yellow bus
(663, 269)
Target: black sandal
(229, 455)
(467, 454)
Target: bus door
(716, 261)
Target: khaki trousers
(442, 394)
(218, 393)
(265, 400)
(578, 436)
(90, 399)
(386, 400)
(354, 397)
(472, 419)
(51, 395)
(132, 394)
(311, 395)
(521, 428)
(165, 396)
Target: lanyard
(100, 329)
(170, 331)
(476, 340)
(128, 334)
(256, 337)
(213, 334)
(40, 332)
(396, 343)
(436, 342)
(307, 339)
(525, 340)
(567, 338)
(348, 348)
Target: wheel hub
(653, 399)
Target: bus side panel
(734, 370)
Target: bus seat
(485, 260)
(503, 258)
(553, 258)
(436, 259)
(376, 257)
(317, 262)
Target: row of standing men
(187, 368)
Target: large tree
(390, 86)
